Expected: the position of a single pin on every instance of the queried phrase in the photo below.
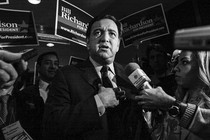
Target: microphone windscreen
(131, 67)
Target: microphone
(141, 81)
(137, 76)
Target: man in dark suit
(30, 101)
(79, 106)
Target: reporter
(187, 115)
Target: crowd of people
(94, 99)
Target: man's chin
(104, 55)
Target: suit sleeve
(70, 108)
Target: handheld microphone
(137, 76)
(141, 81)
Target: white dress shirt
(111, 75)
(43, 89)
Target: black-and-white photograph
(4, 2)
(104, 70)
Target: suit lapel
(90, 74)
(120, 72)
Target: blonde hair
(203, 61)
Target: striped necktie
(104, 76)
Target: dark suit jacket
(30, 110)
(27, 107)
(71, 111)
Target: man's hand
(8, 74)
(107, 96)
(154, 98)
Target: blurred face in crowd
(49, 66)
(104, 41)
(187, 70)
(157, 61)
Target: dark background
(179, 14)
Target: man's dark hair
(41, 56)
(118, 23)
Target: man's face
(49, 66)
(157, 61)
(104, 41)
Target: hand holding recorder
(149, 98)
(13, 64)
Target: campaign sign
(4, 2)
(17, 28)
(71, 22)
(144, 25)
(15, 131)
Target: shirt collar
(99, 66)
(43, 84)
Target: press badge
(15, 131)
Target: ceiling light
(34, 1)
(50, 44)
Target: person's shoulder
(119, 65)
(69, 69)
(66, 67)
(29, 88)
(76, 67)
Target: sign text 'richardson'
(140, 25)
(66, 14)
(71, 22)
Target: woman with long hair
(187, 115)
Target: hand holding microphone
(155, 98)
(13, 65)
(137, 76)
(150, 98)
(141, 81)
(8, 73)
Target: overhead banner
(17, 28)
(143, 25)
(71, 22)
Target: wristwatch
(174, 110)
